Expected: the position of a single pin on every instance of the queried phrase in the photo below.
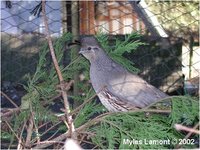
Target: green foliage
(128, 45)
(107, 131)
(115, 130)
(41, 87)
(185, 110)
(87, 112)
(18, 121)
(121, 47)
(104, 41)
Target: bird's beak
(81, 51)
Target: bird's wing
(134, 89)
(114, 103)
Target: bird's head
(90, 48)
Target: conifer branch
(60, 77)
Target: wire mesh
(170, 61)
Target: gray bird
(117, 88)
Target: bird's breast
(97, 77)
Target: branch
(8, 112)
(189, 134)
(101, 118)
(20, 143)
(87, 124)
(44, 144)
(60, 77)
(184, 128)
(12, 130)
(29, 131)
(65, 135)
(9, 99)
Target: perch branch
(189, 134)
(184, 128)
(101, 117)
(20, 143)
(83, 127)
(29, 131)
(60, 77)
(35, 125)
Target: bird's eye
(89, 48)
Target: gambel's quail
(116, 87)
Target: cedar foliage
(102, 131)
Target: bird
(118, 89)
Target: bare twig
(46, 144)
(51, 128)
(66, 86)
(9, 112)
(9, 99)
(51, 142)
(157, 110)
(60, 77)
(20, 142)
(184, 128)
(45, 131)
(53, 135)
(12, 130)
(51, 99)
(19, 146)
(44, 124)
(188, 135)
(55, 62)
(36, 129)
(29, 131)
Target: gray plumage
(117, 88)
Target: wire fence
(170, 61)
(170, 29)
